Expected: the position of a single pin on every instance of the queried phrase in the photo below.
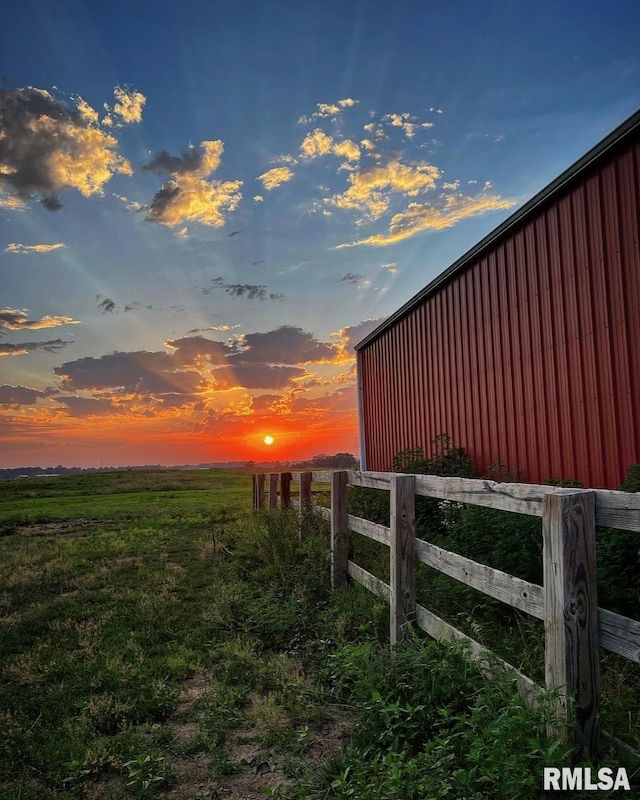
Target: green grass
(158, 639)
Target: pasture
(158, 639)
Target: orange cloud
(419, 217)
(275, 177)
(12, 202)
(48, 148)
(318, 143)
(86, 160)
(86, 111)
(13, 319)
(329, 109)
(14, 247)
(189, 196)
(23, 348)
(370, 189)
(407, 122)
(128, 105)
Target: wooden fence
(575, 628)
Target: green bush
(446, 460)
(274, 549)
(503, 540)
(618, 560)
(429, 725)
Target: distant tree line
(338, 461)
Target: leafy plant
(146, 774)
(434, 728)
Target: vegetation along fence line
(575, 628)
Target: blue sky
(204, 205)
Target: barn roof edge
(618, 136)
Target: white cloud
(14, 247)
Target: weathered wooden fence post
(402, 556)
(258, 491)
(273, 490)
(339, 530)
(571, 615)
(305, 490)
(285, 490)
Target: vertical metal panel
(629, 206)
(593, 439)
(530, 355)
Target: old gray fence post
(273, 490)
(572, 658)
(339, 530)
(402, 556)
(285, 490)
(305, 490)
(258, 491)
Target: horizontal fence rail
(575, 628)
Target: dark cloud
(352, 334)
(16, 319)
(24, 153)
(210, 328)
(285, 345)
(190, 349)
(21, 348)
(163, 199)
(165, 164)
(264, 401)
(140, 372)
(179, 400)
(189, 195)
(88, 406)
(352, 277)
(341, 400)
(51, 203)
(47, 146)
(256, 376)
(251, 291)
(19, 395)
(269, 361)
(107, 305)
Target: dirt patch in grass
(329, 737)
(191, 692)
(183, 725)
(251, 765)
(193, 779)
(264, 767)
(62, 526)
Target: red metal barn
(527, 349)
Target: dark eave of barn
(627, 131)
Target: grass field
(158, 639)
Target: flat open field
(159, 639)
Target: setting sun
(268, 440)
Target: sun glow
(268, 440)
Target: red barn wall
(530, 354)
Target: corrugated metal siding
(530, 355)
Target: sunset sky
(204, 205)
